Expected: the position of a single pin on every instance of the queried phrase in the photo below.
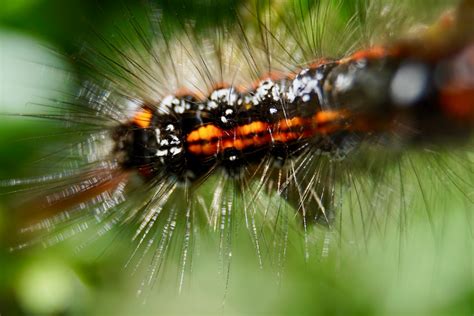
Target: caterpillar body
(253, 124)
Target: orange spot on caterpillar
(374, 52)
(227, 143)
(209, 149)
(193, 137)
(318, 62)
(280, 137)
(329, 116)
(286, 124)
(286, 137)
(371, 53)
(251, 128)
(457, 95)
(458, 103)
(239, 144)
(143, 118)
(195, 149)
(219, 86)
(209, 132)
(204, 133)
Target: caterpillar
(294, 123)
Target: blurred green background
(429, 272)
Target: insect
(261, 123)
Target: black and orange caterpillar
(418, 93)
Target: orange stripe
(208, 140)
